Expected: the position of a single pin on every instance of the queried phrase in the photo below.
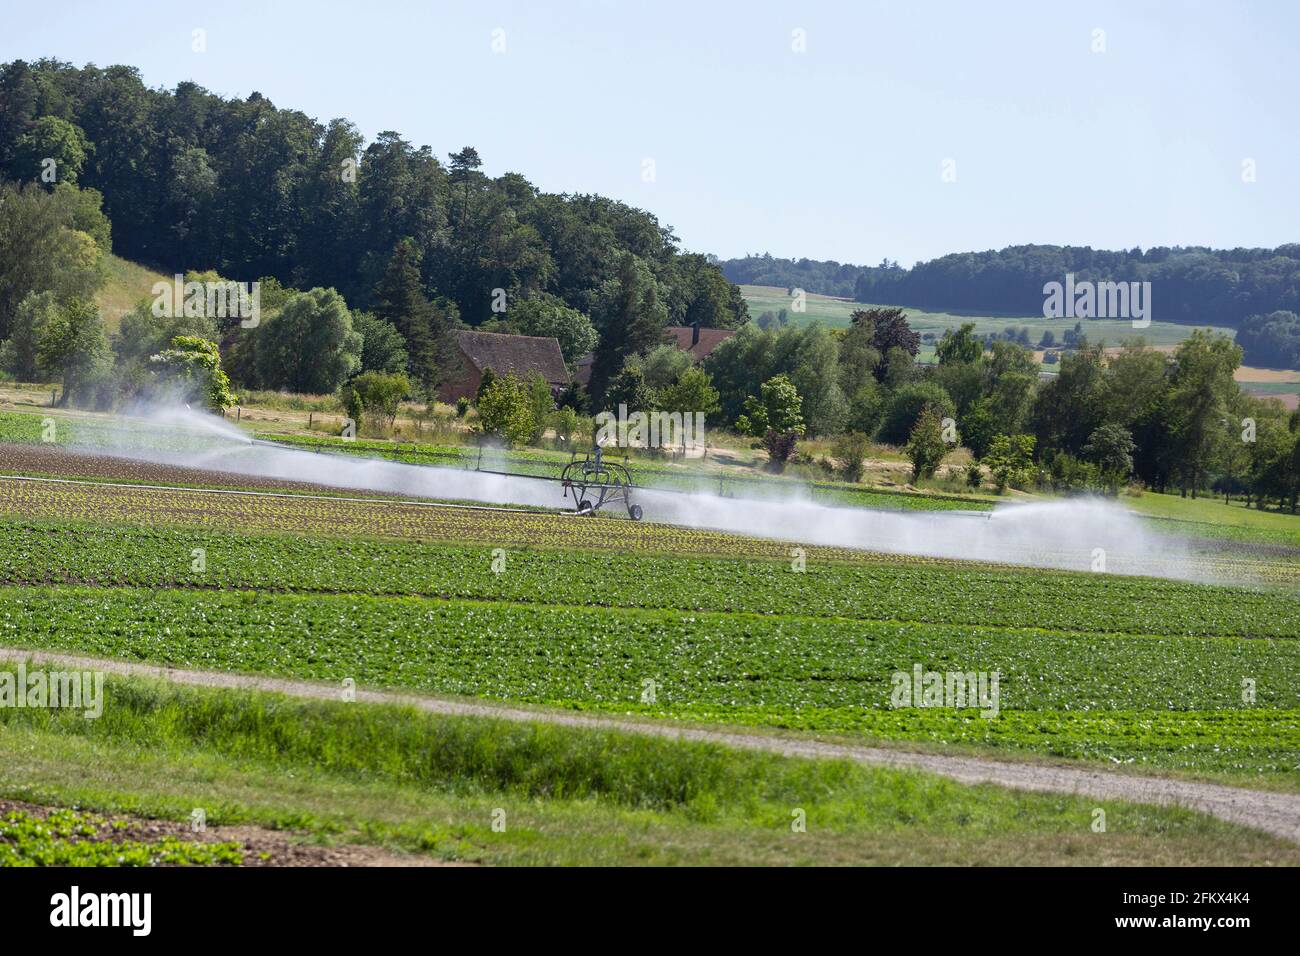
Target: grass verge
(393, 776)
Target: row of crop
(55, 461)
(69, 838)
(106, 502)
(1182, 527)
(602, 655)
(121, 435)
(347, 519)
(63, 552)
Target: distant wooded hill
(1189, 284)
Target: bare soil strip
(1274, 813)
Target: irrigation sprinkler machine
(593, 483)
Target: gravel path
(1274, 813)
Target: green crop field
(861, 588)
(616, 619)
(728, 640)
(1062, 694)
(1213, 511)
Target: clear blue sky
(833, 153)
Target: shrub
(780, 446)
(381, 392)
(541, 403)
(851, 449)
(1111, 447)
(1010, 459)
(778, 409)
(355, 408)
(926, 446)
(905, 406)
(505, 410)
(1067, 473)
(567, 425)
(193, 366)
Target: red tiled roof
(710, 339)
(521, 354)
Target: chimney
(695, 333)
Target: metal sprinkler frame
(610, 482)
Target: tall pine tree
(426, 326)
(630, 318)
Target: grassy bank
(389, 775)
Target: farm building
(522, 355)
(699, 342)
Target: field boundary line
(1275, 813)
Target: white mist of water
(1079, 534)
(184, 419)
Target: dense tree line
(192, 180)
(1193, 285)
(1171, 421)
